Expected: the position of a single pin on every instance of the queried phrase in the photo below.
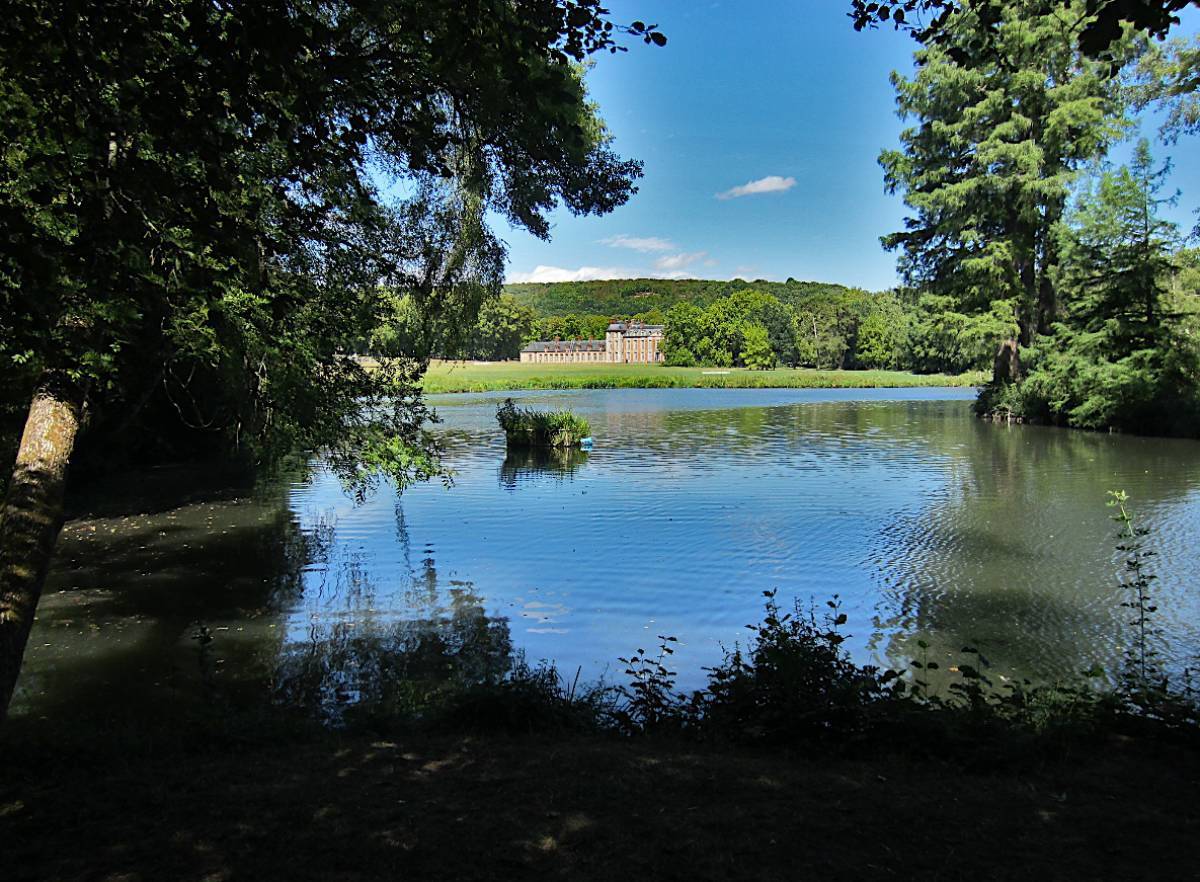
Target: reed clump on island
(524, 428)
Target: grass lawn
(460, 376)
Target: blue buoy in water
(586, 444)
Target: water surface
(926, 522)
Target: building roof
(636, 329)
(565, 346)
(645, 331)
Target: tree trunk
(30, 520)
(1006, 367)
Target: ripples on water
(927, 522)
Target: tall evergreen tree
(1117, 359)
(1004, 115)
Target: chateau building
(623, 343)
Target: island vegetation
(525, 427)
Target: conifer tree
(1117, 359)
(987, 165)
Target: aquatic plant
(524, 427)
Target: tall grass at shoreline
(450, 376)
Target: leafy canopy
(203, 203)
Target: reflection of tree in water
(818, 429)
(398, 654)
(521, 465)
(1015, 553)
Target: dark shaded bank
(352, 807)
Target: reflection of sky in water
(694, 502)
(927, 523)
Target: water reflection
(355, 636)
(532, 464)
(136, 574)
(398, 663)
(1017, 552)
(928, 523)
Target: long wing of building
(623, 343)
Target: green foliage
(531, 428)
(528, 699)
(883, 335)
(745, 326)
(795, 680)
(1119, 358)
(757, 353)
(818, 342)
(1005, 113)
(1145, 687)
(945, 339)
(651, 703)
(571, 326)
(933, 22)
(634, 297)
(503, 327)
(201, 209)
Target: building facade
(623, 343)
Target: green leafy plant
(796, 679)
(651, 701)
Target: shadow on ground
(350, 807)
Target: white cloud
(769, 184)
(671, 262)
(644, 244)
(583, 274)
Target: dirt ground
(355, 807)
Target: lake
(925, 522)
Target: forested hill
(632, 296)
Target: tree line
(836, 327)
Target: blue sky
(779, 92)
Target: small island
(526, 428)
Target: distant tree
(883, 334)
(818, 342)
(400, 331)
(681, 334)
(757, 353)
(653, 316)
(502, 328)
